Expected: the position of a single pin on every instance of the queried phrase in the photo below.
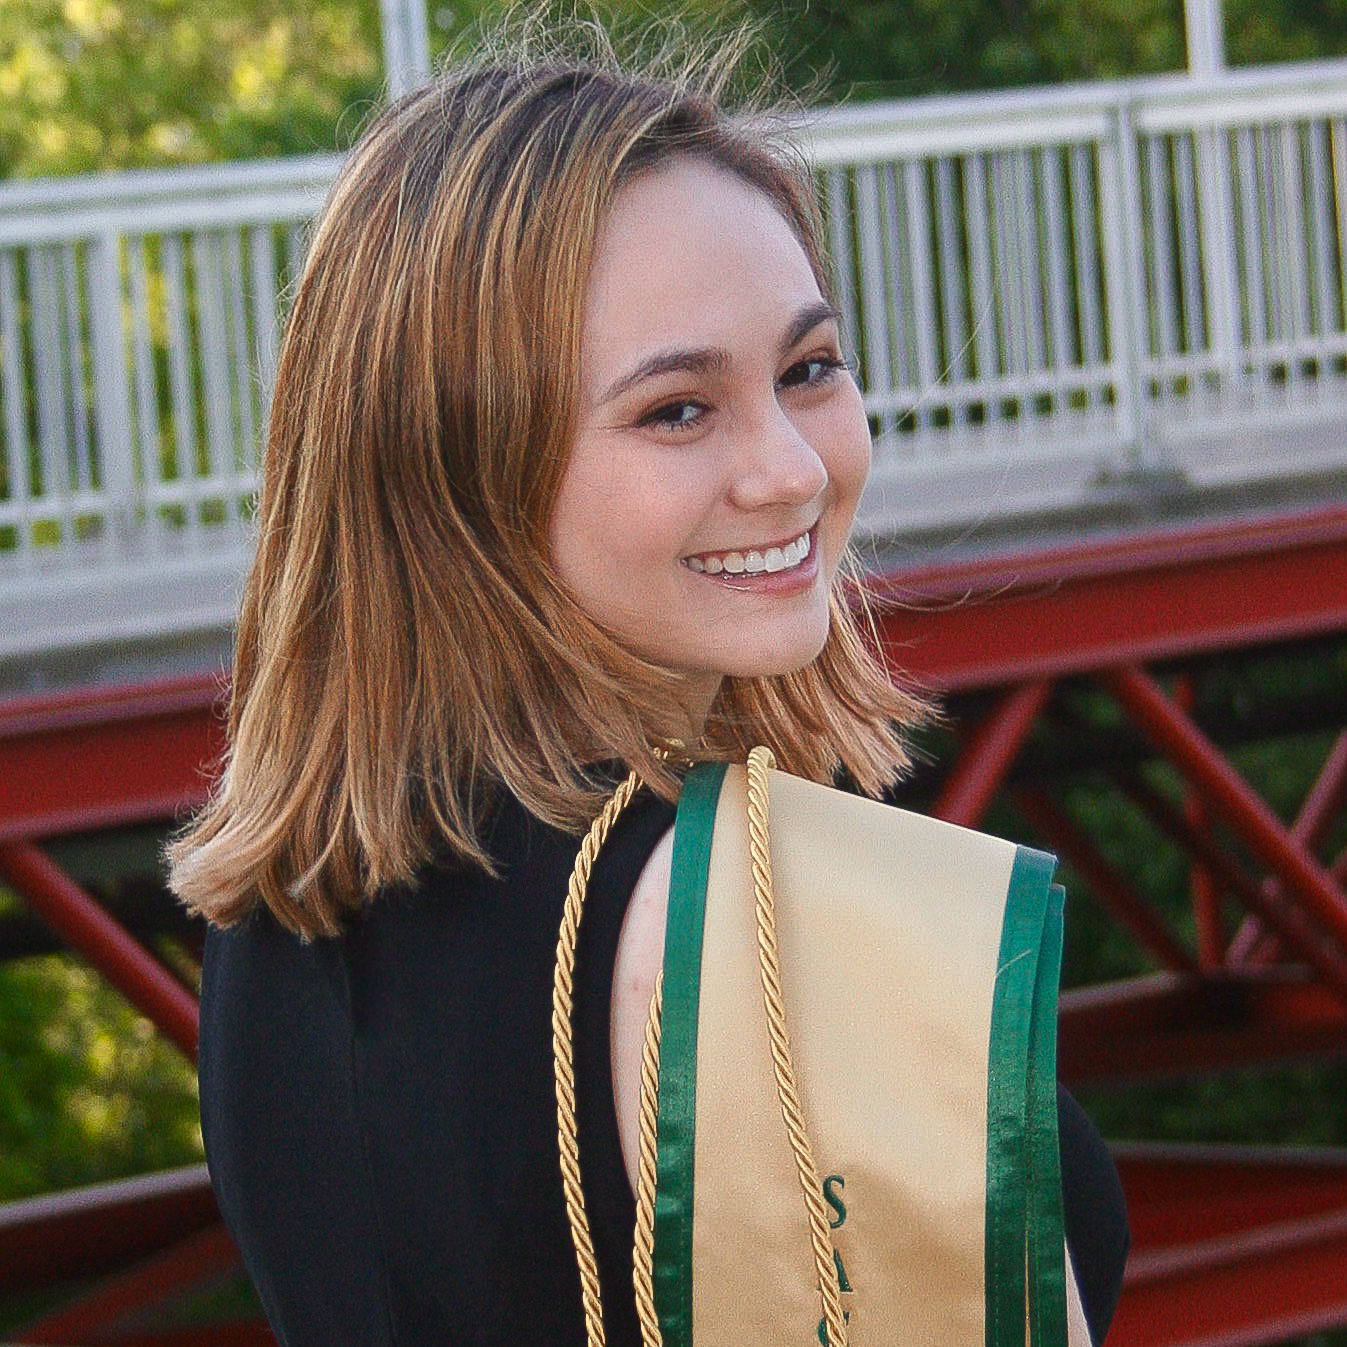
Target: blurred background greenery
(88, 85)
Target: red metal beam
(88, 928)
(1232, 1249)
(1174, 1024)
(107, 756)
(1203, 764)
(1087, 606)
(199, 1258)
(1281, 913)
(1252, 942)
(1206, 898)
(1186, 1194)
(983, 764)
(1108, 887)
(92, 1231)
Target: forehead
(691, 254)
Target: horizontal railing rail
(1050, 292)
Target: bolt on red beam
(1202, 762)
(1253, 943)
(982, 766)
(88, 928)
(1061, 833)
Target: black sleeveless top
(380, 1123)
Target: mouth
(771, 559)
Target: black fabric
(1095, 1212)
(380, 1124)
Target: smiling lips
(768, 561)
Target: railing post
(1204, 27)
(1125, 281)
(112, 388)
(406, 45)
(1216, 206)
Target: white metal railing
(1047, 290)
(1086, 284)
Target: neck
(697, 695)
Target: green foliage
(88, 1090)
(87, 85)
(1304, 1104)
(90, 85)
(879, 49)
(902, 48)
(1284, 30)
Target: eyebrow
(713, 359)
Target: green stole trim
(1023, 1168)
(1024, 1223)
(677, 1136)
(1047, 1228)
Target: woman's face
(721, 445)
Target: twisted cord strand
(760, 760)
(563, 1058)
(643, 1251)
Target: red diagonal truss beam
(1279, 910)
(1208, 770)
(993, 747)
(1108, 886)
(86, 926)
(1252, 942)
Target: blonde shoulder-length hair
(405, 648)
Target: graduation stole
(849, 1111)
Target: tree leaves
(88, 85)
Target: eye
(813, 371)
(681, 414)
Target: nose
(775, 464)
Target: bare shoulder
(640, 954)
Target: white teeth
(772, 561)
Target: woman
(563, 458)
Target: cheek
(576, 515)
(848, 460)
(616, 531)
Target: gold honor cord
(563, 1058)
(643, 1252)
(760, 760)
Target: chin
(771, 664)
